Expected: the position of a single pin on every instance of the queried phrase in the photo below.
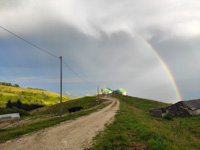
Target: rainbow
(164, 66)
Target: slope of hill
(49, 116)
(134, 128)
(85, 102)
(70, 95)
(28, 96)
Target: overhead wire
(14, 34)
(74, 72)
(28, 42)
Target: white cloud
(174, 17)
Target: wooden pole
(60, 86)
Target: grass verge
(134, 128)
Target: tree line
(18, 104)
(9, 84)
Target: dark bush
(20, 105)
(23, 113)
(168, 117)
(16, 85)
(9, 104)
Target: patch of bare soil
(74, 134)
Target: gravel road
(74, 134)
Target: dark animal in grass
(74, 109)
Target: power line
(74, 72)
(28, 42)
(43, 51)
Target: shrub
(168, 117)
(23, 113)
(16, 85)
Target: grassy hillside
(134, 128)
(28, 96)
(85, 102)
(70, 95)
(48, 116)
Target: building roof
(192, 104)
(120, 90)
(110, 89)
(106, 90)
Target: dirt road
(70, 135)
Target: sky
(149, 48)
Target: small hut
(182, 108)
(12, 116)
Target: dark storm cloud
(99, 40)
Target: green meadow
(28, 96)
(134, 128)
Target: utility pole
(60, 86)
(98, 91)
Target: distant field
(28, 96)
(134, 128)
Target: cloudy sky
(103, 42)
